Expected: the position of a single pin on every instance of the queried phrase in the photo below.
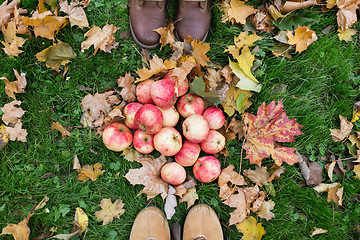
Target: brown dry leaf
(330, 169)
(56, 55)
(251, 229)
(156, 66)
(102, 39)
(95, 107)
(258, 202)
(237, 201)
(346, 35)
(282, 50)
(6, 11)
(212, 77)
(128, 91)
(199, 51)
(90, 172)
(12, 114)
(237, 11)
(265, 210)
(166, 35)
(45, 24)
(57, 126)
(190, 197)
(317, 231)
(275, 172)
(231, 103)
(170, 203)
(181, 72)
(259, 176)
(17, 133)
(12, 42)
(302, 37)
(262, 21)
(149, 176)
(343, 132)
(356, 170)
(76, 13)
(76, 163)
(19, 231)
(311, 171)
(228, 180)
(16, 86)
(227, 74)
(131, 154)
(181, 189)
(346, 16)
(110, 210)
(334, 190)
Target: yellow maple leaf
(346, 35)
(110, 210)
(356, 112)
(157, 65)
(243, 40)
(90, 172)
(166, 35)
(237, 11)
(199, 51)
(302, 37)
(101, 38)
(251, 229)
(4, 136)
(230, 103)
(57, 126)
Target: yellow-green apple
(171, 116)
(188, 154)
(207, 169)
(143, 90)
(149, 119)
(214, 142)
(129, 112)
(182, 86)
(117, 137)
(173, 173)
(215, 117)
(190, 104)
(143, 142)
(168, 141)
(163, 93)
(195, 128)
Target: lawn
(321, 83)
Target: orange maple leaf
(269, 126)
(237, 11)
(302, 37)
(199, 51)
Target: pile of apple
(153, 120)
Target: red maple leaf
(263, 131)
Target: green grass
(321, 83)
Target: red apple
(163, 93)
(173, 173)
(214, 142)
(168, 141)
(215, 117)
(181, 86)
(129, 112)
(190, 104)
(207, 169)
(195, 128)
(117, 137)
(149, 119)
(143, 142)
(171, 116)
(143, 94)
(188, 154)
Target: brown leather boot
(202, 223)
(193, 19)
(150, 224)
(145, 16)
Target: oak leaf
(57, 126)
(346, 35)
(228, 180)
(199, 51)
(251, 229)
(101, 38)
(343, 132)
(12, 42)
(237, 11)
(346, 15)
(269, 126)
(17, 132)
(149, 176)
(90, 172)
(302, 37)
(6, 11)
(128, 88)
(12, 114)
(110, 210)
(190, 197)
(76, 13)
(56, 55)
(166, 35)
(157, 65)
(265, 210)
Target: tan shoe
(150, 224)
(202, 223)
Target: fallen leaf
(330, 170)
(243, 40)
(356, 112)
(274, 12)
(258, 202)
(356, 170)
(212, 77)
(76, 163)
(12, 114)
(182, 189)
(302, 37)
(275, 172)
(166, 35)
(265, 210)
(343, 132)
(4, 136)
(237, 11)
(76, 13)
(45, 24)
(259, 176)
(17, 132)
(12, 42)
(289, 6)
(281, 50)
(198, 87)
(102, 39)
(311, 171)
(227, 74)
(229, 177)
(156, 66)
(131, 154)
(346, 35)
(90, 172)
(148, 175)
(81, 220)
(238, 201)
(270, 125)
(199, 51)
(262, 21)
(170, 203)
(335, 192)
(95, 106)
(232, 102)
(346, 15)
(190, 197)
(6, 11)
(317, 231)
(128, 88)
(242, 101)
(15, 86)
(56, 55)
(20, 231)
(110, 210)
(57, 126)
(251, 229)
